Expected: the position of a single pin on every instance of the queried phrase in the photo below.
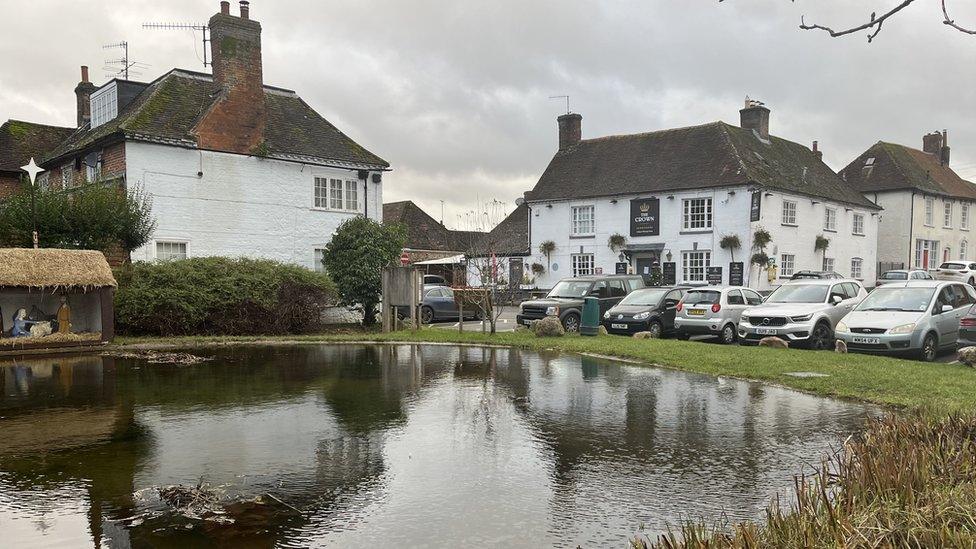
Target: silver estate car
(919, 317)
(713, 310)
(802, 312)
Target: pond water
(400, 446)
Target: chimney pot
(83, 92)
(245, 9)
(84, 74)
(816, 150)
(755, 116)
(570, 130)
(225, 7)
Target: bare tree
(875, 23)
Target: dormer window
(104, 105)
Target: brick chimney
(237, 120)
(570, 130)
(937, 143)
(83, 92)
(816, 150)
(755, 116)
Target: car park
(959, 271)
(646, 310)
(438, 304)
(714, 311)
(802, 312)
(567, 297)
(815, 275)
(919, 317)
(902, 275)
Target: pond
(400, 446)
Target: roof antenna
(566, 97)
(120, 67)
(186, 26)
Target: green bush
(220, 296)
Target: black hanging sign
(714, 275)
(645, 217)
(670, 273)
(756, 210)
(622, 268)
(736, 269)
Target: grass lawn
(935, 389)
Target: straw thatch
(54, 269)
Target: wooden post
(386, 301)
(461, 314)
(414, 291)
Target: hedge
(220, 296)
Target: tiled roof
(511, 236)
(887, 167)
(707, 156)
(423, 231)
(169, 109)
(21, 141)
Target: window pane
(321, 193)
(335, 194)
(352, 196)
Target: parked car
(815, 275)
(967, 329)
(902, 275)
(439, 304)
(802, 312)
(434, 280)
(647, 310)
(959, 271)
(566, 298)
(714, 311)
(919, 317)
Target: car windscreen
(799, 293)
(571, 288)
(894, 276)
(914, 300)
(649, 298)
(701, 297)
(956, 266)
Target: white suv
(956, 271)
(802, 312)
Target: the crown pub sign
(645, 216)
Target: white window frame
(947, 215)
(582, 264)
(169, 256)
(104, 105)
(828, 264)
(857, 268)
(787, 265)
(335, 194)
(696, 214)
(580, 224)
(789, 213)
(830, 219)
(44, 181)
(929, 212)
(857, 224)
(964, 216)
(694, 265)
(964, 250)
(921, 245)
(317, 255)
(66, 173)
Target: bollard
(590, 324)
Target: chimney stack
(816, 150)
(570, 130)
(83, 92)
(245, 9)
(755, 117)
(236, 122)
(937, 143)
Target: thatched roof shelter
(54, 269)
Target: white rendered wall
(241, 206)
(894, 229)
(953, 236)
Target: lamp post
(32, 170)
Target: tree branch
(875, 23)
(951, 23)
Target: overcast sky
(455, 93)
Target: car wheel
(930, 348)
(426, 315)
(655, 329)
(821, 337)
(728, 334)
(571, 322)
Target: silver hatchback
(713, 310)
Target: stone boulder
(549, 326)
(602, 331)
(774, 342)
(967, 356)
(840, 346)
(644, 335)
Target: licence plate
(619, 326)
(527, 322)
(766, 331)
(696, 312)
(867, 340)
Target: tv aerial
(123, 67)
(204, 29)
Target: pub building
(674, 194)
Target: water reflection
(403, 445)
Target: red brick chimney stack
(245, 9)
(570, 130)
(83, 92)
(236, 121)
(816, 150)
(937, 143)
(755, 116)
(225, 7)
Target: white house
(929, 209)
(674, 194)
(234, 167)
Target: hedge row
(220, 296)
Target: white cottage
(672, 195)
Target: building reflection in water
(391, 444)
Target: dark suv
(566, 299)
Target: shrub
(549, 326)
(220, 296)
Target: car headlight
(642, 316)
(841, 327)
(903, 329)
(803, 318)
(552, 311)
(606, 315)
